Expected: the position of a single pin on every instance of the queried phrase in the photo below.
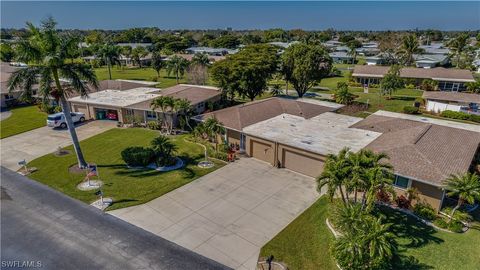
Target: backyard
(305, 243)
(126, 186)
(22, 119)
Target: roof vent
(306, 142)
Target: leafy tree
(305, 65)
(47, 52)
(138, 53)
(177, 65)
(157, 63)
(391, 82)
(346, 38)
(409, 47)
(164, 150)
(225, 41)
(458, 46)
(277, 34)
(342, 95)
(95, 37)
(6, 52)
(249, 39)
(353, 45)
(466, 187)
(110, 54)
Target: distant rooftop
(117, 98)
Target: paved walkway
(41, 141)
(230, 214)
(5, 114)
(42, 225)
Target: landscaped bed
(126, 186)
(305, 243)
(22, 119)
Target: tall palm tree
(214, 129)
(335, 174)
(183, 107)
(137, 54)
(111, 55)
(177, 65)
(165, 104)
(127, 52)
(201, 59)
(466, 187)
(48, 54)
(157, 63)
(379, 241)
(458, 46)
(410, 46)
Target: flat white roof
(117, 98)
(324, 134)
(440, 122)
(149, 83)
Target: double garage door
(292, 159)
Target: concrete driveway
(230, 214)
(41, 141)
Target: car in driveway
(58, 119)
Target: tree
(225, 41)
(164, 150)
(197, 74)
(214, 129)
(201, 59)
(177, 65)
(157, 63)
(166, 105)
(391, 82)
(111, 55)
(47, 52)
(388, 44)
(335, 174)
(353, 45)
(6, 52)
(138, 53)
(342, 95)
(94, 38)
(127, 52)
(410, 46)
(466, 187)
(346, 38)
(183, 108)
(304, 65)
(458, 46)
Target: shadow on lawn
(409, 263)
(405, 98)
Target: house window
(129, 112)
(8, 96)
(401, 182)
(201, 105)
(151, 115)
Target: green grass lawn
(127, 187)
(22, 119)
(305, 243)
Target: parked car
(58, 119)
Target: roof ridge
(420, 136)
(428, 161)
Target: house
(189, 57)
(437, 101)
(375, 60)
(121, 105)
(435, 48)
(7, 97)
(210, 51)
(430, 60)
(341, 57)
(448, 79)
(300, 134)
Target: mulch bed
(76, 170)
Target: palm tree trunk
(459, 203)
(342, 195)
(109, 69)
(356, 193)
(286, 87)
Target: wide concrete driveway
(230, 214)
(41, 141)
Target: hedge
(137, 156)
(461, 116)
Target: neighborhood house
(439, 101)
(299, 134)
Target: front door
(242, 142)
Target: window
(129, 111)
(8, 96)
(401, 182)
(151, 114)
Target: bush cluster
(425, 211)
(460, 116)
(454, 226)
(411, 110)
(137, 156)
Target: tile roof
(240, 116)
(452, 96)
(423, 151)
(438, 73)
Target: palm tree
(214, 129)
(137, 54)
(177, 65)
(334, 175)
(410, 46)
(183, 107)
(201, 59)
(48, 54)
(127, 52)
(378, 239)
(164, 150)
(111, 55)
(157, 63)
(458, 46)
(466, 187)
(165, 104)
(342, 95)
(377, 176)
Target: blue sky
(357, 15)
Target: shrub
(456, 226)
(440, 222)
(425, 211)
(220, 155)
(137, 156)
(153, 125)
(383, 196)
(373, 85)
(411, 109)
(429, 85)
(460, 116)
(354, 84)
(410, 86)
(153, 79)
(403, 202)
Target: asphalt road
(43, 228)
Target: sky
(239, 15)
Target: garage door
(82, 109)
(261, 151)
(301, 163)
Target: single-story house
(341, 57)
(375, 60)
(120, 105)
(6, 96)
(210, 51)
(439, 101)
(435, 48)
(300, 134)
(189, 57)
(450, 79)
(430, 60)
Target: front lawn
(305, 243)
(127, 187)
(22, 119)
